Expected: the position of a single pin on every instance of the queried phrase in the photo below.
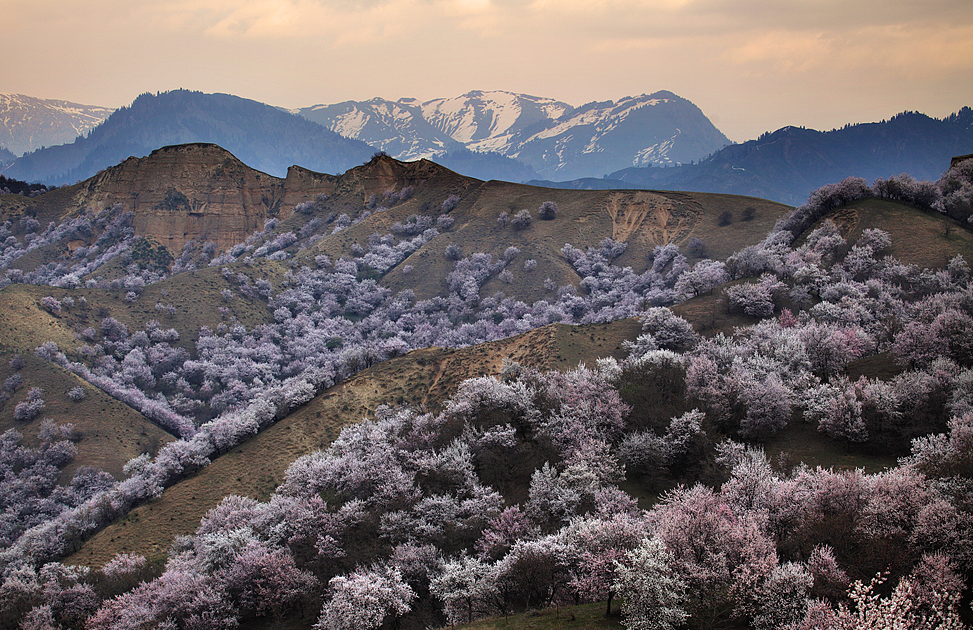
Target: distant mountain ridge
(265, 137)
(30, 123)
(552, 137)
(786, 165)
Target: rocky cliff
(202, 192)
(186, 192)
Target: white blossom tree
(654, 594)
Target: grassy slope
(643, 219)
(255, 468)
(423, 377)
(918, 238)
(584, 617)
(108, 432)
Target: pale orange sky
(750, 65)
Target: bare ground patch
(651, 218)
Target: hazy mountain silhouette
(265, 137)
(788, 164)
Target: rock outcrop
(201, 192)
(188, 192)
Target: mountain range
(488, 134)
(266, 137)
(655, 141)
(554, 138)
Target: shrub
(522, 220)
(13, 382)
(450, 203)
(548, 210)
(30, 408)
(696, 247)
(51, 305)
(452, 252)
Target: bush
(522, 220)
(51, 305)
(548, 210)
(13, 382)
(30, 408)
(450, 203)
(452, 252)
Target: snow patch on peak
(480, 116)
(350, 124)
(28, 123)
(657, 154)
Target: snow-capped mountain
(480, 116)
(396, 127)
(648, 130)
(28, 123)
(555, 139)
(264, 137)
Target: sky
(750, 65)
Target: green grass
(802, 442)
(583, 617)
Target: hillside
(202, 193)
(267, 138)
(221, 198)
(643, 220)
(403, 376)
(107, 432)
(423, 378)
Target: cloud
(808, 62)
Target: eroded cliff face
(188, 192)
(303, 185)
(202, 192)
